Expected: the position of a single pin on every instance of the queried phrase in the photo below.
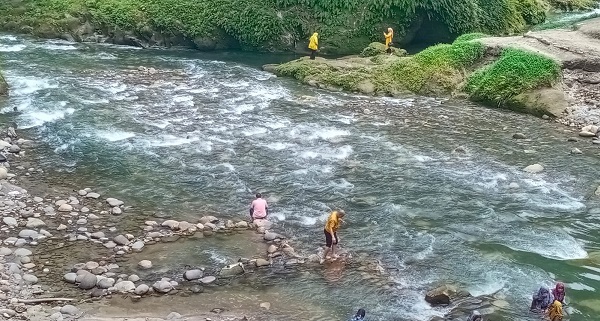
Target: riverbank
(548, 72)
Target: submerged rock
(193, 274)
(441, 295)
(232, 270)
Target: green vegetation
(565, 24)
(378, 48)
(516, 72)
(344, 25)
(570, 5)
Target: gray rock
(38, 199)
(208, 279)
(173, 316)
(260, 223)
(8, 312)
(208, 219)
(21, 242)
(184, 226)
(272, 249)
(262, 262)
(98, 235)
(441, 295)
(91, 265)
(65, 208)
(121, 240)
(30, 278)
(133, 278)
(270, 236)
(113, 202)
(10, 240)
(197, 288)
(110, 245)
(3, 172)
(241, 224)
(61, 227)
(87, 280)
(232, 270)
(162, 286)
(82, 192)
(125, 286)
(576, 151)
(141, 289)
(70, 277)
(116, 211)
(533, 169)
(10, 221)
(519, 136)
(29, 234)
(81, 221)
(172, 224)
(92, 195)
(137, 246)
(4, 251)
(33, 222)
(22, 252)
(587, 134)
(69, 309)
(14, 149)
(145, 264)
(193, 274)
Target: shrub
(517, 71)
(470, 36)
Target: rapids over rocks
(191, 134)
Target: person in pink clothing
(259, 208)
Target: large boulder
(443, 295)
(378, 48)
(86, 280)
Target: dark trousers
(313, 54)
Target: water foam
(114, 135)
(170, 140)
(29, 85)
(564, 246)
(12, 48)
(329, 133)
(39, 117)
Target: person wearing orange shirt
(331, 227)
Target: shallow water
(207, 131)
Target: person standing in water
(313, 45)
(388, 40)
(331, 238)
(259, 208)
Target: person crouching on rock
(475, 316)
(542, 300)
(555, 313)
(388, 40)
(359, 316)
(259, 208)
(559, 292)
(331, 238)
(313, 45)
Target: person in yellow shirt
(555, 312)
(388, 40)
(331, 227)
(313, 45)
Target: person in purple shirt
(259, 208)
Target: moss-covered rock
(377, 48)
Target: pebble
(145, 264)
(97, 235)
(61, 227)
(137, 246)
(93, 217)
(91, 265)
(70, 277)
(4, 251)
(133, 278)
(22, 252)
(141, 289)
(82, 192)
(116, 211)
(65, 208)
(92, 195)
(208, 279)
(81, 221)
(33, 222)
(10, 221)
(125, 286)
(113, 202)
(121, 240)
(69, 309)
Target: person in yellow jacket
(331, 227)
(388, 40)
(313, 45)
(555, 312)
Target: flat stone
(82, 192)
(125, 286)
(10, 221)
(141, 289)
(92, 195)
(208, 279)
(121, 240)
(22, 252)
(93, 217)
(81, 221)
(145, 264)
(113, 202)
(8, 312)
(587, 134)
(65, 208)
(193, 274)
(10, 240)
(30, 278)
(262, 262)
(70, 277)
(98, 235)
(110, 245)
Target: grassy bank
(460, 68)
(344, 25)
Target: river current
(206, 131)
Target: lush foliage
(470, 36)
(346, 24)
(377, 48)
(573, 4)
(516, 72)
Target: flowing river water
(206, 131)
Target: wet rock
(61, 227)
(145, 264)
(441, 295)
(110, 245)
(314, 258)
(208, 219)
(197, 288)
(125, 286)
(545, 117)
(513, 185)
(70, 277)
(500, 304)
(170, 238)
(97, 293)
(576, 151)
(265, 305)
(81, 221)
(92, 195)
(270, 236)
(533, 169)
(590, 129)
(262, 262)
(210, 227)
(98, 235)
(172, 224)
(587, 134)
(65, 208)
(162, 286)
(91, 265)
(15, 149)
(87, 280)
(184, 226)
(22, 252)
(30, 278)
(193, 274)
(260, 223)
(141, 289)
(232, 270)
(121, 240)
(272, 249)
(208, 279)
(133, 278)
(82, 192)
(597, 192)
(519, 136)
(137, 246)
(116, 211)
(4, 251)
(572, 139)
(33, 222)
(173, 316)
(113, 202)
(459, 150)
(229, 224)
(31, 234)
(241, 224)
(10, 221)
(69, 309)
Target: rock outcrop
(3, 86)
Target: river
(206, 131)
